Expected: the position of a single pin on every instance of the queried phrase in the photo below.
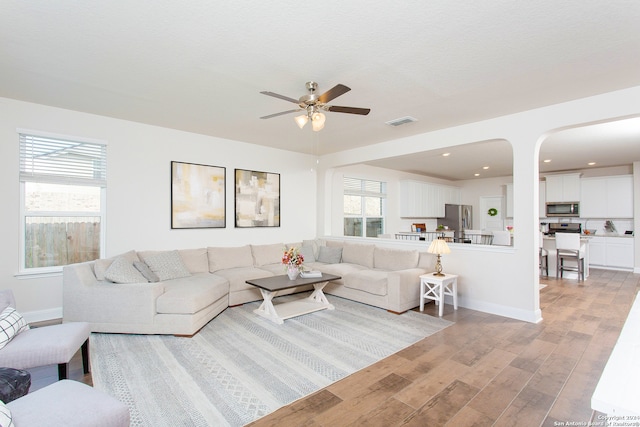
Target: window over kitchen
(62, 187)
(364, 207)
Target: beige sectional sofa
(178, 292)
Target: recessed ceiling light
(446, 154)
(591, 163)
(476, 174)
(485, 167)
(547, 160)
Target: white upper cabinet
(607, 197)
(425, 200)
(563, 188)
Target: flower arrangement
(293, 259)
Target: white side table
(436, 287)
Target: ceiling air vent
(402, 121)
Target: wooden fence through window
(61, 243)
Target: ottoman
(14, 383)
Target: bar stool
(543, 256)
(568, 247)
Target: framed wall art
(257, 199)
(198, 197)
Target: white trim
(533, 316)
(43, 315)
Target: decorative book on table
(310, 274)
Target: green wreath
(492, 212)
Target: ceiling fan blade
(350, 110)
(277, 95)
(333, 93)
(280, 114)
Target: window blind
(56, 160)
(362, 187)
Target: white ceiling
(199, 66)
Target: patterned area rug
(240, 366)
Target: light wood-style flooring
(484, 370)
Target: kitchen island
(549, 243)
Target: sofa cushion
(196, 260)
(356, 253)
(315, 244)
(329, 255)
(307, 253)
(146, 271)
(339, 269)
(267, 254)
(370, 281)
(101, 265)
(395, 259)
(166, 264)
(237, 277)
(122, 270)
(221, 258)
(191, 294)
(11, 324)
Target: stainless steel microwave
(563, 209)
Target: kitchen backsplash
(597, 224)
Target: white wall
(499, 281)
(138, 193)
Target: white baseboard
(533, 316)
(43, 315)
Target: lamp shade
(317, 121)
(439, 247)
(301, 120)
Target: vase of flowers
(293, 262)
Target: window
(62, 188)
(364, 207)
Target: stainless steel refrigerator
(457, 218)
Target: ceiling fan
(312, 105)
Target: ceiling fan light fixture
(317, 121)
(301, 120)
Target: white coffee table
(278, 313)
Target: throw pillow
(6, 420)
(307, 253)
(11, 324)
(329, 255)
(101, 265)
(122, 270)
(146, 271)
(167, 265)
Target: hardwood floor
(484, 370)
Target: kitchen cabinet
(619, 252)
(597, 256)
(426, 200)
(607, 197)
(563, 188)
(611, 251)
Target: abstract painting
(197, 196)
(257, 199)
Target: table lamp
(438, 247)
